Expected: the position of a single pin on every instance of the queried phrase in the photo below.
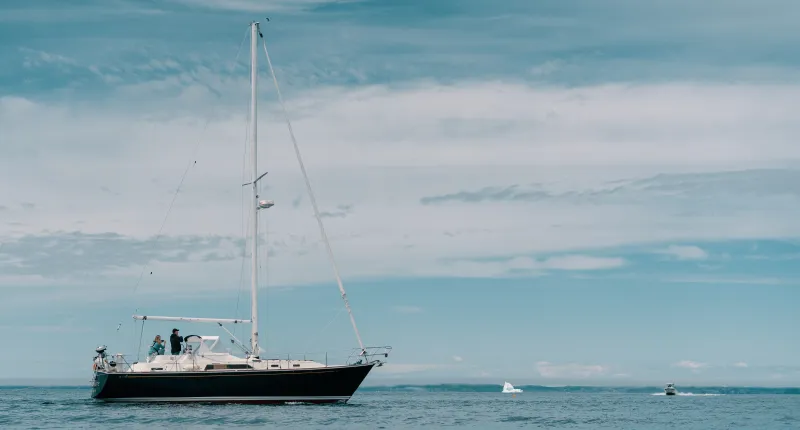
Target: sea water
(67, 408)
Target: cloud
(408, 309)
(740, 364)
(525, 265)
(457, 359)
(546, 68)
(400, 368)
(86, 11)
(254, 5)
(589, 43)
(694, 366)
(340, 212)
(685, 252)
(570, 370)
(107, 257)
(582, 169)
(582, 262)
(488, 193)
(744, 279)
(645, 190)
(35, 58)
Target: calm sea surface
(50, 408)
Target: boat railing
(369, 354)
(328, 358)
(379, 354)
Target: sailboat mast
(254, 215)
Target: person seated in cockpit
(157, 348)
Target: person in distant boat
(157, 348)
(175, 342)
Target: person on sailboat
(157, 348)
(175, 342)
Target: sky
(549, 192)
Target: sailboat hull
(322, 385)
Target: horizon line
(41, 383)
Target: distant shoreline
(487, 388)
(642, 389)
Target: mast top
(257, 26)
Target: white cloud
(525, 266)
(60, 12)
(748, 280)
(685, 252)
(695, 366)
(399, 368)
(741, 364)
(458, 358)
(408, 309)
(34, 58)
(592, 167)
(252, 5)
(582, 262)
(546, 68)
(570, 370)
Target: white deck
(200, 356)
(218, 361)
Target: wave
(690, 394)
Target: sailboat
(199, 373)
(508, 388)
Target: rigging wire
(311, 196)
(266, 270)
(321, 332)
(191, 163)
(141, 335)
(245, 222)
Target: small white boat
(670, 390)
(508, 388)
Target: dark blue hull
(323, 385)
